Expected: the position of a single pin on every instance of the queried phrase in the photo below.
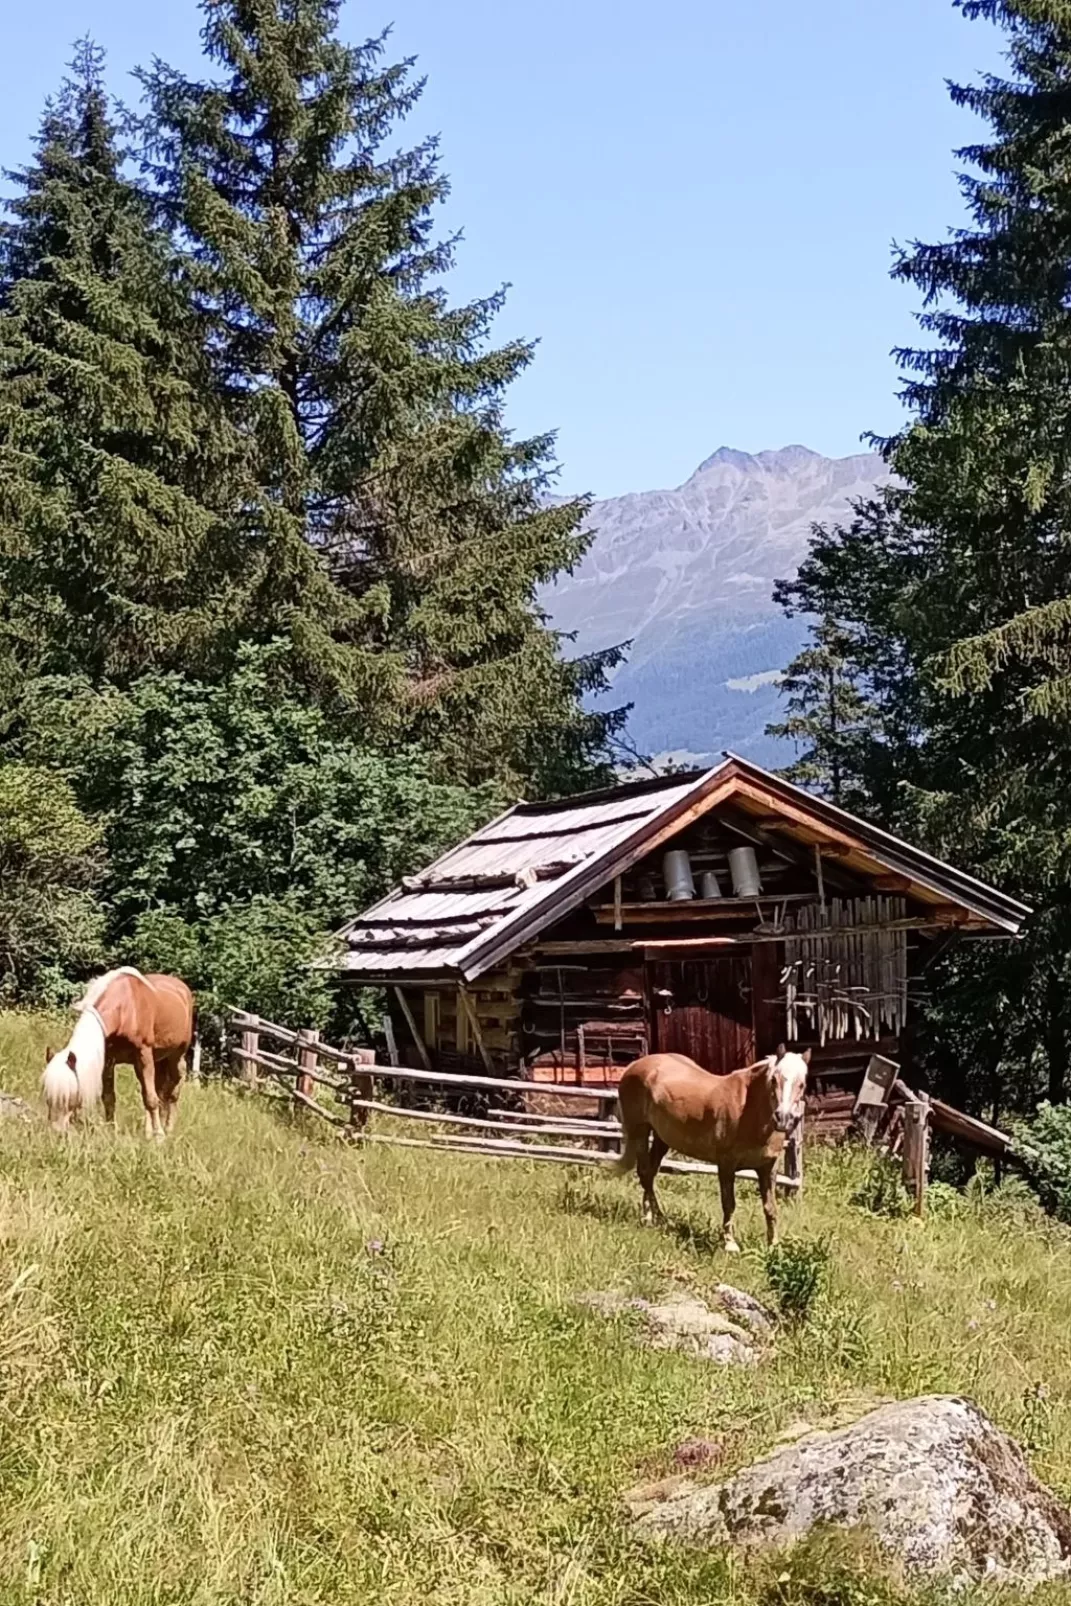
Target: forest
(270, 555)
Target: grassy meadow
(256, 1366)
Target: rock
(942, 1490)
(746, 1308)
(794, 1431)
(683, 1322)
(14, 1109)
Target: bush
(944, 1201)
(797, 1270)
(50, 862)
(1044, 1147)
(254, 956)
(881, 1188)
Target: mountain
(687, 577)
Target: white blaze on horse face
(790, 1086)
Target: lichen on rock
(941, 1489)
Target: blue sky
(693, 201)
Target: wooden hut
(714, 914)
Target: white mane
(96, 989)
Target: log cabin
(714, 914)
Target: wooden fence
(353, 1080)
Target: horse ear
(71, 1061)
(781, 1051)
(806, 1056)
(48, 1056)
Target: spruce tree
(373, 406)
(962, 614)
(827, 714)
(116, 462)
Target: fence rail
(503, 1133)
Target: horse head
(787, 1080)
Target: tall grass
(255, 1366)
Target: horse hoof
(731, 1247)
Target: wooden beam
(605, 945)
(891, 883)
(505, 1084)
(938, 947)
(563, 1154)
(747, 939)
(617, 903)
(693, 909)
(788, 849)
(474, 1022)
(410, 1021)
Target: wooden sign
(877, 1083)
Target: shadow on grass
(578, 1199)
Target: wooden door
(703, 1008)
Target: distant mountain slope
(687, 576)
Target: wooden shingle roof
(512, 878)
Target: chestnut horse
(736, 1122)
(125, 1018)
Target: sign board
(877, 1083)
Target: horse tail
(67, 1089)
(194, 1053)
(60, 1087)
(635, 1127)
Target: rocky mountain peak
(687, 576)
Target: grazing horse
(737, 1122)
(125, 1018)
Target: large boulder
(940, 1488)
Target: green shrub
(797, 1270)
(944, 1201)
(880, 1189)
(1044, 1147)
(836, 1334)
(50, 864)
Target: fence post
(362, 1086)
(917, 1150)
(307, 1059)
(250, 1046)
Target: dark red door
(703, 1008)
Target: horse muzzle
(784, 1123)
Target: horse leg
(727, 1184)
(171, 1073)
(768, 1190)
(107, 1091)
(146, 1069)
(647, 1170)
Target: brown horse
(125, 1018)
(737, 1122)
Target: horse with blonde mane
(124, 1018)
(736, 1122)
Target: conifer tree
(115, 459)
(827, 714)
(963, 610)
(374, 408)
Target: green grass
(215, 1387)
